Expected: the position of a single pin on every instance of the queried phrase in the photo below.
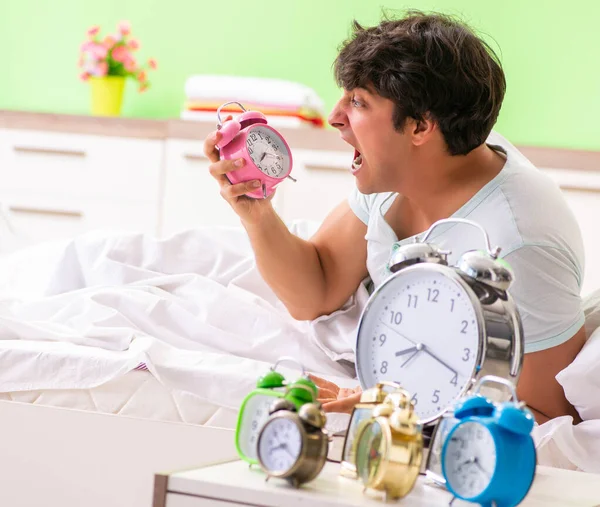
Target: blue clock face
(470, 459)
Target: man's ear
(422, 130)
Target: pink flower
(144, 86)
(109, 42)
(133, 44)
(130, 65)
(102, 69)
(124, 27)
(93, 31)
(121, 54)
(141, 76)
(152, 63)
(84, 76)
(98, 51)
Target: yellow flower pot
(107, 95)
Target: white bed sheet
(136, 394)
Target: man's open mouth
(357, 162)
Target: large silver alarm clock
(435, 329)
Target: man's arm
(314, 277)
(538, 386)
(311, 278)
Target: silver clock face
(256, 413)
(470, 459)
(420, 329)
(268, 152)
(280, 445)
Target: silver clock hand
(442, 362)
(405, 351)
(409, 358)
(398, 333)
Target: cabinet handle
(42, 211)
(325, 167)
(49, 151)
(195, 156)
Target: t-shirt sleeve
(546, 291)
(360, 204)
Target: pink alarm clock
(267, 155)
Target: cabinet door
(58, 185)
(27, 219)
(323, 181)
(191, 194)
(61, 164)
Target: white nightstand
(234, 483)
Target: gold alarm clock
(360, 415)
(389, 447)
(292, 443)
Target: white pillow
(581, 379)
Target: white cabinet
(323, 181)
(57, 185)
(191, 195)
(192, 198)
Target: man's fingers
(326, 393)
(343, 406)
(210, 146)
(232, 191)
(210, 143)
(221, 167)
(321, 383)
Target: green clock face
(369, 451)
(358, 416)
(253, 414)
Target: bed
(124, 355)
(119, 358)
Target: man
(420, 97)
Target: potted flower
(107, 62)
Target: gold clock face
(370, 451)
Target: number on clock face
(470, 459)
(420, 330)
(268, 152)
(280, 444)
(256, 412)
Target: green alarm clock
(254, 410)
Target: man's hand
(248, 209)
(336, 399)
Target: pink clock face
(268, 151)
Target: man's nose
(337, 117)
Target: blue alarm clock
(489, 456)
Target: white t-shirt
(523, 212)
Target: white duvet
(79, 313)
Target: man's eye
(356, 103)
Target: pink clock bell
(268, 156)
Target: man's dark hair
(428, 64)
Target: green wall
(550, 51)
